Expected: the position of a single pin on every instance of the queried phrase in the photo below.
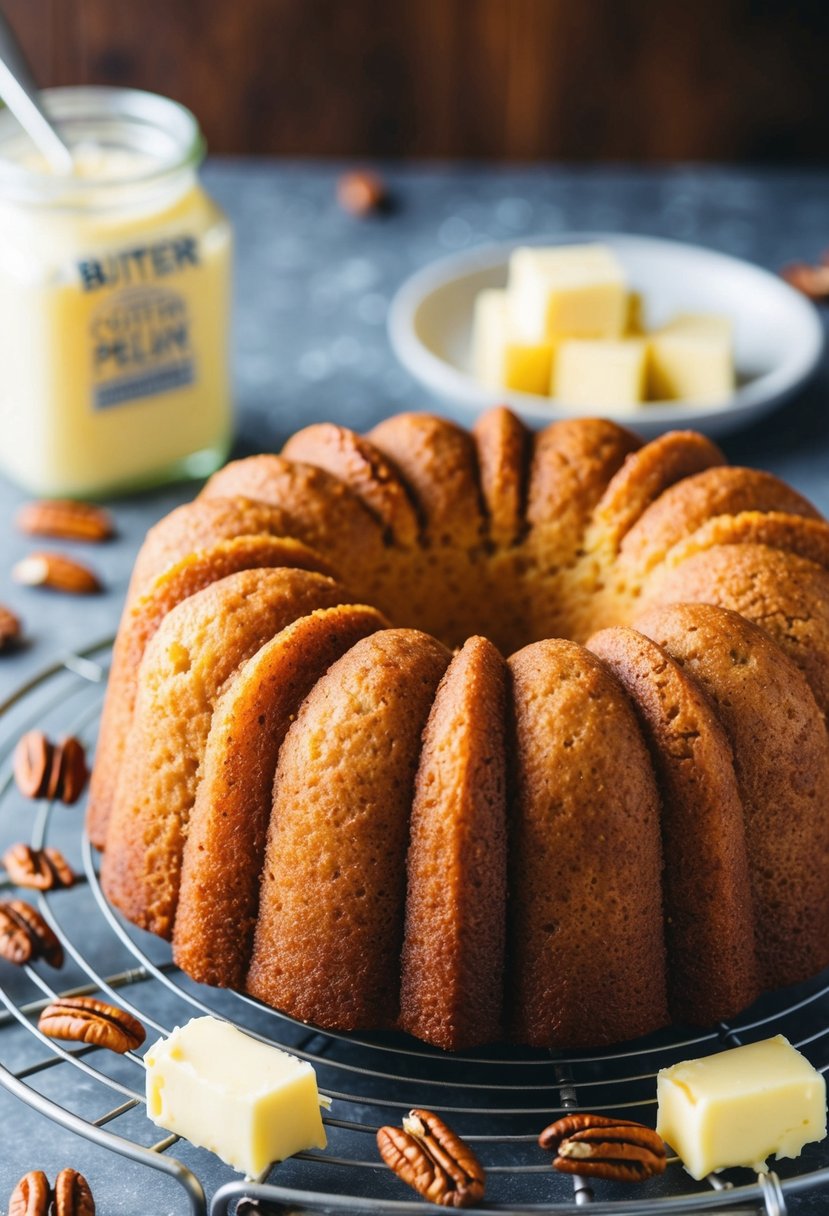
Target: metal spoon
(19, 91)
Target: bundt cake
(477, 736)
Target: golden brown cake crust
(518, 538)
(321, 510)
(140, 621)
(186, 667)
(645, 475)
(438, 462)
(503, 444)
(781, 759)
(586, 954)
(807, 538)
(712, 964)
(785, 594)
(453, 951)
(571, 465)
(686, 506)
(198, 525)
(330, 925)
(363, 468)
(225, 847)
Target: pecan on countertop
(56, 572)
(812, 281)
(72, 1195)
(65, 519)
(361, 192)
(31, 1196)
(10, 628)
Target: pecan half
(57, 572)
(32, 762)
(813, 281)
(601, 1147)
(72, 773)
(72, 1195)
(38, 869)
(43, 769)
(65, 519)
(25, 936)
(83, 1019)
(432, 1159)
(10, 628)
(361, 192)
(31, 1196)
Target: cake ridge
(224, 850)
(141, 619)
(366, 471)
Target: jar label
(142, 264)
(141, 346)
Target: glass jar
(114, 300)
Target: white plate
(777, 332)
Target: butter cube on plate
(575, 291)
(635, 315)
(740, 1106)
(692, 359)
(499, 360)
(600, 373)
(247, 1102)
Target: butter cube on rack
(573, 291)
(692, 358)
(246, 1101)
(740, 1106)
(600, 373)
(499, 359)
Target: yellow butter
(569, 291)
(635, 317)
(249, 1103)
(499, 360)
(692, 359)
(600, 373)
(740, 1106)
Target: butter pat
(575, 291)
(499, 360)
(739, 1107)
(248, 1103)
(692, 359)
(600, 373)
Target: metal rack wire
(498, 1099)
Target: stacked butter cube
(567, 326)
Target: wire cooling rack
(497, 1099)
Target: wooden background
(633, 80)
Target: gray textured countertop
(312, 289)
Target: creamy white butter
(740, 1106)
(573, 291)
(247, 1102)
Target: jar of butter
(114, 300)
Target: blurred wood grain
(638, 80)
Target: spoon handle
(20, 93)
